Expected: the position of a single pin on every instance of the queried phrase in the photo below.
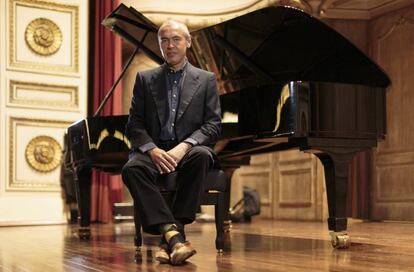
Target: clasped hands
(167, 161)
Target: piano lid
(282, 44)
(273, 44)
(135, 28)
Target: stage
(262, 245)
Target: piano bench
(217, 193)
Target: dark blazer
(198, 114)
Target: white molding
(210, 12)
(2, 95)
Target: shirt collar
(180, 70)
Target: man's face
(173, 45)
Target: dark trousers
(140, 176)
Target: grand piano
(286, 80)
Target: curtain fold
(105, 66)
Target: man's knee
(201, 153)
(138, 170)
(125, 169)
(126, 173)
(129, 169)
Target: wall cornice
(216, 11)
(208, 12)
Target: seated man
(174, 121)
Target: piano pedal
(340, 240)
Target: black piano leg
(82, 180)
(336, 179)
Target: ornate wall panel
(392, 46)
(43, 36)
(290, 184)
(257, 175)
(299, 190)
(43, 96)
(295, 187)
(35, 153)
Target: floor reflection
(259, 247)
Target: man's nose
(170, 43)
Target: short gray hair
(175, 24)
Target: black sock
(180, 229)
(163, 241)
(171, 235)
(174, 240)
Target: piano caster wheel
(84, 233)
(340, 240)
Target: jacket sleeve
(135, 128)
(210, 131)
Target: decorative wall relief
(43, 36)
(43, 153)
(35, 154)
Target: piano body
(286, 80)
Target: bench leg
(220, 211)
(227, 219)
(138, 235)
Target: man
(174, 122)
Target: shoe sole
(162, 256)
(162, 260)
(180, 258)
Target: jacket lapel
(190, 86)
(158, 86)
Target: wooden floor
(260, 246)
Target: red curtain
(104, 67)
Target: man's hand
(179, 151)
(164, 162)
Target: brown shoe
(162, 254)
(181, 252)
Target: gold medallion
(43, 153)
(43, 36)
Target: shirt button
(175, 81)
(173, 109)
(173, 95)
(172, 124)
